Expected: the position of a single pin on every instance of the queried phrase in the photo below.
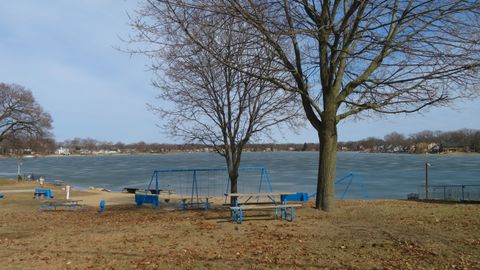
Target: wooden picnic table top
(257, 194)
(62, 201)
(252, 207)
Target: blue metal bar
(194, 178)
(261, 180)
(268, 179)
(156, 184)
(150, 184)
(343, 178)
(362, 187)
(248, 168)
(196, 185)
(240, 216)
(346, 188)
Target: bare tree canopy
(349, 57)
(21, 117)
(214, 100)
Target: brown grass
(358, 235)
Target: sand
(381, 234)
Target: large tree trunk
(327, 166)
(233, 181)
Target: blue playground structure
(141, 199)
(348, 180)
(193, 187)
(43, 193)
(102, 206)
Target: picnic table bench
(276, 201)
(130, 190)
(61, 204)
(134, 190)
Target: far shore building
(63, 151)
(453, 147)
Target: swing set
(194, 187)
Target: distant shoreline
(280, 151)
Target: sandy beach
(377, 234)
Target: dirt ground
(358, 235)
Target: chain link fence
(460, 193)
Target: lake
(383, 175)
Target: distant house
(452, 147)
(63, 151)
(433, 148)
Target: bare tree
(350, 57)
(216, 100)
(395, 138)
(20, 114)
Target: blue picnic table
(275, 201)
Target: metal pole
(426, 180)
(19, 170)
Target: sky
(66, 52)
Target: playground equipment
(102, 206)
(348, 180)
(193, 187)
(45, 193)
(141, 199)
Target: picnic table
(61, 204)
(264, 201)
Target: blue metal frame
(46, 193)
(352, 177)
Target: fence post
(463, 193)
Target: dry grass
(359, 235)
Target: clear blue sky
(64, 51)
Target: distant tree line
(464, 140)
(89, 145)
